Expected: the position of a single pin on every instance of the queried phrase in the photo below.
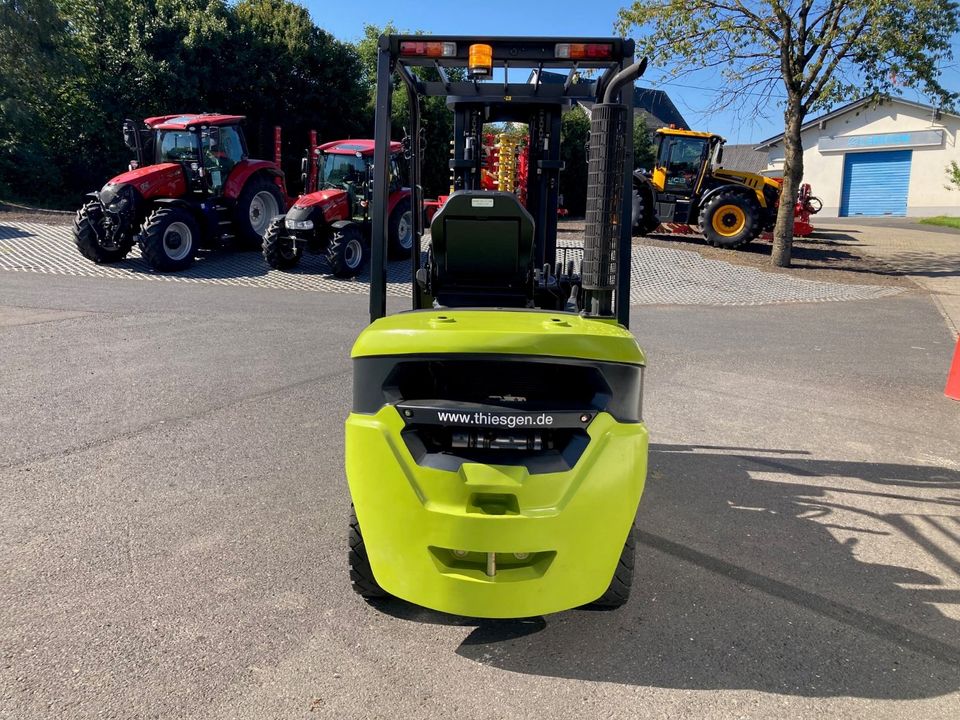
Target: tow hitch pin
(491, 564)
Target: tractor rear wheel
(730, 219)
(346, 252)
(361, 575)
(88, 228)
(401, 230)
(259, 203)
(279, 250)
(169, 238)
(643, 221)
(618, 592)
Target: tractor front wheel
(401, 230)
(279, 249)
(258, 204)
(730, 219)
(361, 575)
(346, 252)
(618, 592)
(88, 229)
(169, 239)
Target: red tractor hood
(163, 180)
(318, 198)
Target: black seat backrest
(482, 249)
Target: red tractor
(191, 186)
(333, 214)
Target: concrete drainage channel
(659, 276)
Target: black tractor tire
(400, 227)
(279, 249)
(347, 251)
(85, 236)
(618, 591)
(643, 220)
(258, 204)
(169, 238)
(730, 219)
(361, 575)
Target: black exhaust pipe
(605, 189)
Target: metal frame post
(625, 246)
(381, 175)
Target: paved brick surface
(659, 276)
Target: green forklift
(495, 451)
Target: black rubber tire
(395, 248)
(361, 575)
(342, 251)
(86, 238)
(753, 219)
(247, 236)
(152, 235)
(280, 252)
(643, 221)
(618, 591)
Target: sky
(693, 95)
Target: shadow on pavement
(745, 582)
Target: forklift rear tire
(258, 204)
(401, 230)
(730, 219)
(86, 237)
(346, 252)
(169, 238)
(280, 252)
(361, 576)
(618, 592)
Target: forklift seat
(482, 244)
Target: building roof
(182, 121)
(349, 147)
(655, 105)
(744, 157)
(843, 109)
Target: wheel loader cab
(495, 451)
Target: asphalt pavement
(174, 521)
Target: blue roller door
(875, 183)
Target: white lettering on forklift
(481, 202)
(482, 418)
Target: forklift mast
(477, 100)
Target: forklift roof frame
(534, 53)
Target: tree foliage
(806, 54)
(72, 70)
(953, 175)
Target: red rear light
(584, 51)
(428, 49)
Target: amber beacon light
(480, 64)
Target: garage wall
(927, 194)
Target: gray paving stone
(659, 276)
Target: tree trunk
(792, 176)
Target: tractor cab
(683, 158)
(495, 451)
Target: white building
(889, 158)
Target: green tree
(574, 136)
(953, 175)
(643, 150)
(816, 52)
(436, 120)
